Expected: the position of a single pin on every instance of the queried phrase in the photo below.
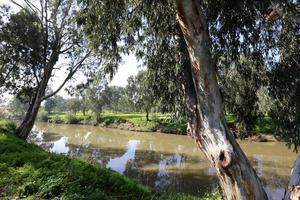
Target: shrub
(72, 119)
(43, 116)
(57, 120)
(6, 126)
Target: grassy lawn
(29, 172)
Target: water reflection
(119, 163)
(167, 163)
(59, 146)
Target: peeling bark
(237, 178)
(293, 191)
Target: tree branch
(70, 75)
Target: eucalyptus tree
(145, 98)
(38, 41)
(97, 95)
(73, 105)
(216, 33)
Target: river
(168, 163)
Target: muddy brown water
(167, 163)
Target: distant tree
(97, 96)
(73, 105)
(60, 103)
(145, 99)
(17, 108)
(115, 95)
(131, 94)
(49, 105)
(55, 103)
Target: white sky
(128, 67)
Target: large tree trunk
(237, 178)
(25, 128)
(293, 191)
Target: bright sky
(128, 67)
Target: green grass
(157, 120)
(29, 172)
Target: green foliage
(43, 116)
(72, 119)
(56, 119)
(17, 108)
(27, 171)
(7, 126)
(284, 80)
(49, 105)
(240, 85)
(73, 105)
(55, 103)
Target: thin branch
(70, 75)
(35, 75)
(66, 49)
(32, 6)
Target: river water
(168, 163)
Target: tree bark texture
(293, 191)
(26, 126)
(237, 178)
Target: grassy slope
(29, 172)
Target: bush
(72, 119)
(43, 116)
(57, 120)
(6, 126)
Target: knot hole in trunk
(224, 159)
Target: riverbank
(124, 121)
(29, 172)
(158, 122)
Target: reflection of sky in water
(274, 194)
(163, 178)
(211, 171)
(87, 135)
(119, 164)
(165, 164)
(60, 146)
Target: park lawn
(29, 172)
